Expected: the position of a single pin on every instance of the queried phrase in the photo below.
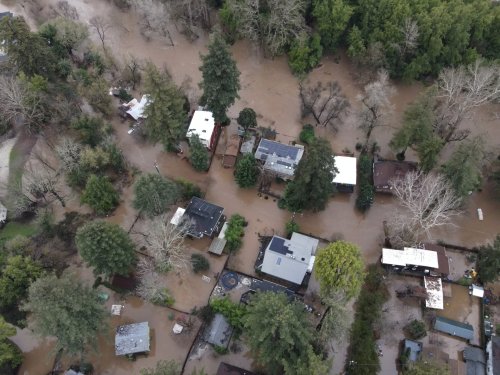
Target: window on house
(278, 261)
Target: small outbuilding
(227, 369)
(219, 331)
(454, 328)
(132, 339)
(475, 361)
(386, 170)
(135, 108)
(345, 178)
(412, 349)
(231, 152)
(3, 214)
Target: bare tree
(427, 200)
(165, 244)
(18, 104)
(154, 18)
(101, 26)
(410, 36)
(461, 90)
(376, 105)
(67, 10)
(326, 103)
(69, 153)
(41, 181)
(152, 286)
(19, 202)
(284, 23)
(191, 15)
(247, 12)
(132, 70)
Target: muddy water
(38, 355)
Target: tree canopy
(165, 112)
(220, 78)
(247, 118)
(106, 247)
(488, 261)
(280, 335)
(68, 310)
(247, 171)
(10, 355)
(198, 154)
(313, 182)
(340, 269)
(154, 194)
(163, 368)
(100, 194)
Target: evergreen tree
(280, 335)
(165, 112)
(332, 18)
(106, 247)
(154, 193)
(100, 194)
(488, 261)
(68, 310)
(312, 186)
(221, 80)
(247, 118)
(198, 154)
(247, 171)
(464, 169)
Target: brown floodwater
(270, 89)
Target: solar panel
(281, 150)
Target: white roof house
(291, 259)
(3, 213)
(346, 166)
(434, 289)
(410, 257)
(136, 108)
(202, 124)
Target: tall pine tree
(221, 80)
(165, 112)
(313, 183)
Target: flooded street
(272, 91)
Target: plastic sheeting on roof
(346, 166)
(410, 257)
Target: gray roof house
(291, 259)
(475, 361)
(493, 350)
(132, 338)
(279, 158)
(219, 332)
(454, 328)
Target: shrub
(290, 227)
(189, 190)
(416, 329)
(233, 312)
(305, 54)
(307, 134)
(221, 350)
(90, 129)
(247, 172)
(234, 232)
(100, 194)
(247, 118)
(366, 190)
(199, 263)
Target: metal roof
(217, 245)
(475, 361)
(434, 289)
(219, 332)
(415, 349)
(347, 173)
(454, 328)
(132, 338)
(410, 257)
(202, 124)
(289, 259)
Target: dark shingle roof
(227, 369)
(454, 328)
(204, 216)
(475, 361)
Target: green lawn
(13, 229)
